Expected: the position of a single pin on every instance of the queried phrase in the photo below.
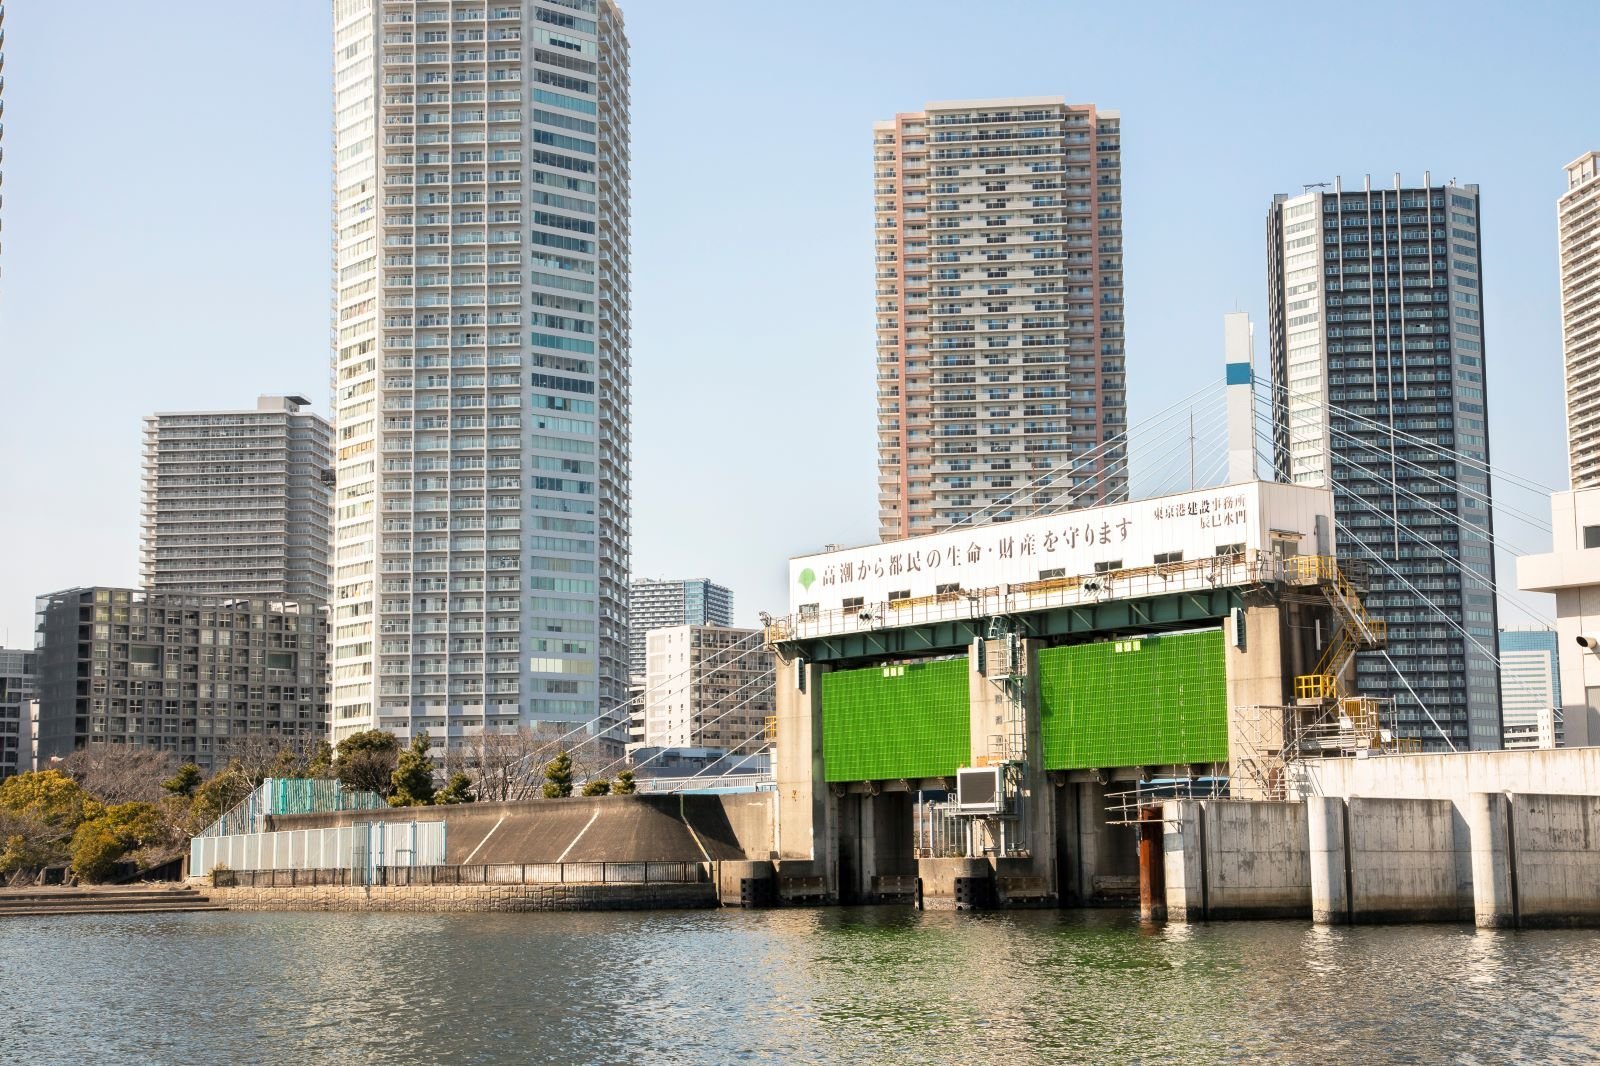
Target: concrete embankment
(449, 898)
(138, 899)
(638, 828)
(1513, 861)
(635, 852)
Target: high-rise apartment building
(1578, 225)
(189, 675)
(1530, 678)
(1571, 569)
(18, 685)
(707, 687)
(239, 502)
(655, 604)
(481, 363)
(1377, 335)
(998, 278)
(2, 82)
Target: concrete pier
(1236, 859)
(1499, 860)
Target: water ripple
(867, 985)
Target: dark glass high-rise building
(654, 604)
(1377, 335)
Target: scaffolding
(1275, 739)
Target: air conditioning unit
(980, 790)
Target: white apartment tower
(481, 364)
(1578, 224)
(707, 686)
(238, 503)
(998, 271)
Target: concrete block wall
(1405, 863)
(1555, 847)
(1236, 859)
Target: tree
(624, 785)
(321, 762)
(50, 796)
(185, 782)
(597, 786)
(100, 843)
(366, 760)
(510, 764)
(411, 782)
(115, 773)
(456, 790)
(558, 776)
(223, 791)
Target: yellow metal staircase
(1356, 629)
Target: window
(1234, 550)
(1108, 566)
(1591, 536)
(903, 594)
(1168, 557)
(1046, 575)
(953, 586)
(853, 602)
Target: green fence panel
(886, 722)
(1136, 702)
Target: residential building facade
(239, 502)
(997, 247)
(654, 603)
(1377, 338)
(707, 686)
(193, 676)
(2, 84)
(1578, 234)
(481, 364)
(1530, 678)
(18, 685)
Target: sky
(167, 245)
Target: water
(867, 985)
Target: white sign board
(1187, 525)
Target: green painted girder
(1179, 608)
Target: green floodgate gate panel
(1136, 702)
(884, 722)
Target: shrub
(558, 777)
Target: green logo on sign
(806, 578)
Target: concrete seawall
(1501, 861)
(1236, 859)
(462, 898)
(637, 828)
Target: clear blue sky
(166, 236)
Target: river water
(852, 985)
